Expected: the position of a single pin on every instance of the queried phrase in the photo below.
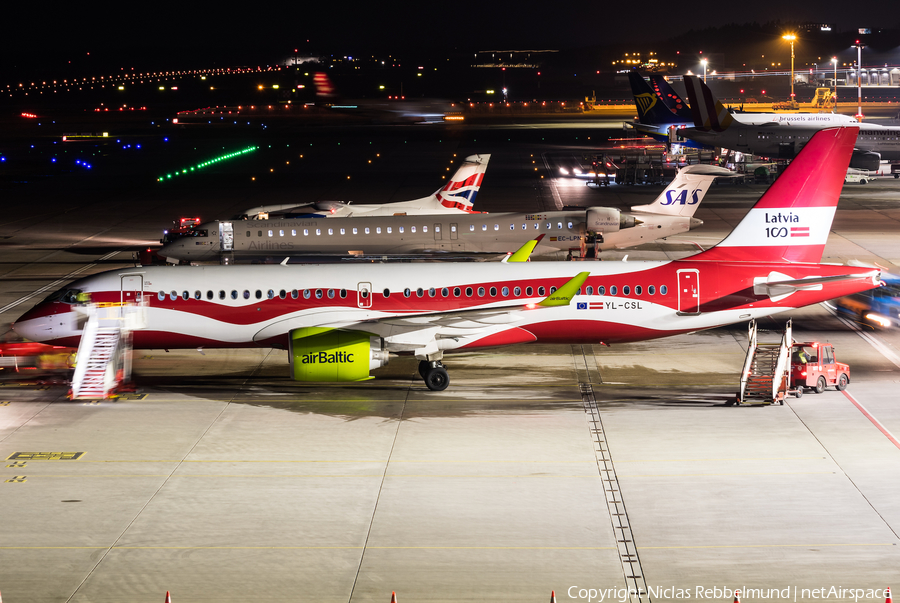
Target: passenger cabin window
(651, 290)
(378, 230)
(354, 230)
(626, 290)
(412, 229)
(424, 229)
(529, 291)
(471, 228)
(613, 290)
(541, 290)
(663, 290)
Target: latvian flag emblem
(799, 231)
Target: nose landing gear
(434, 374)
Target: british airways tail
(651, 110)
(460, 192)
(684, 193)
(708, 112)
(458, 195)
(791, 221)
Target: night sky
(190, 33)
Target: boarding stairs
(766, 373)
(103, 361)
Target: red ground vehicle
(28, 359)
(813, 365)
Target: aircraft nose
(695, 223)
(34, 325)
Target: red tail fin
(791, 221)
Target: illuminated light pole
(705, 62)
(859, 47)
(834, 61)
(790, 38)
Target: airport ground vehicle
(878, 307)
(29, 359)
(813, 365)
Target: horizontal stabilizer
(778, 286)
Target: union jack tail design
(709, 113)
(460, 192)
(791, 221)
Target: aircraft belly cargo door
(689, 291)
(364, 295)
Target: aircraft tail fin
(324, 88)
(670, 98)
(460, 192)
(650, 107)
(791, 221)
(684, 193)
(708, 112)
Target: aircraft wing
(419, 329)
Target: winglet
(524, 252)
(563, 296)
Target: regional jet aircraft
(455, 197)
(715, 126)
(460, 233)
(340, 321)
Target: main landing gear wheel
(435, 375)
(842, 382)
(821, 385)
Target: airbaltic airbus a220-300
(340, 321)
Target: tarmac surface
(583, 470)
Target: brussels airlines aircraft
(339, 321)
(459, 233)
(455, 197)
(714, 125)
(662, 111)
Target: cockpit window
(66, 296)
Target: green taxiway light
(213, 160)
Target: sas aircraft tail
(684, 193)
(708, 112)
(791, 221)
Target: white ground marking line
(884, 351)
(55, 283)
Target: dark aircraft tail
(650, 106)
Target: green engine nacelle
(329, 355)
